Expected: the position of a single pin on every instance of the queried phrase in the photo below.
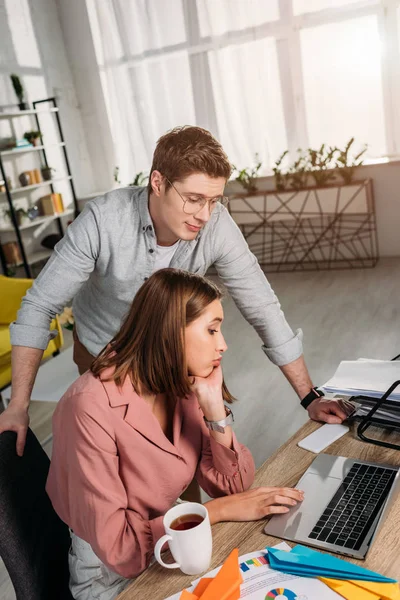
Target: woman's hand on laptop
(253, 505)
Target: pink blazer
(114, 473)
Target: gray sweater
(107, 253)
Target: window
(310, 6)
(248, 102)
(217, 17)
(261, 75)
(343, 84)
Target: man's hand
(15, 418)
(327, 411)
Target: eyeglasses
(193, 204)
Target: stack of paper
(349, 580)
(365, 377)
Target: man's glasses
(193, 204)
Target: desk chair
(34, 542)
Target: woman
(130, 435)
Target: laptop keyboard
(349, 515)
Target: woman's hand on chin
(208, 391)
(254, 504)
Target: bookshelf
(28, 231)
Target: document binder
(370, 420)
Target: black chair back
(34, 542)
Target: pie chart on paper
(281, 594)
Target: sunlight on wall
(23, 33)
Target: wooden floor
(343, 315)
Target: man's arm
(320, 409)
(240, 272)
(70, 265)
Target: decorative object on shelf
(51, 240)
(8, 143)
(3, 185)
(19, 92)
(66, 318)
(24, 178)
(247, 177)
(52, 204)
(12, 253)
(319, 167)
(311, 229)
(33, 212)
(46, 173)
(32, 137)
(20, 213)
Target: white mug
(191, 548)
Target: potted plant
(345, 166)
(46, 172)
(247, 177)
(20, 213)
(139, 180)
(19, 91)
(32, 137)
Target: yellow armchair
(12, 291)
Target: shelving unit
(34, 186)
(9, 194)
(25, 149)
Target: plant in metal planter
(298, 172)
(321, 164)
(247, 177)
(139, 180)
(281, 179)
(345, 165)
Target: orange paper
(188, 596)
(202, 586)
(226, 583)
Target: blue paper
(307, 571)
(313, 563)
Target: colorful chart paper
(259, 561)
(287, 594)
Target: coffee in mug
(186, 522)
(188, 533)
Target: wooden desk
(285, 468)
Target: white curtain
(165, 63)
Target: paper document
(365, 377)
(260, 582)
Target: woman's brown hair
(150, 346)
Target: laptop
(344, 504)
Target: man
(124, 236)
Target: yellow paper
(348, 590)
(386, 591)
(363, 590)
